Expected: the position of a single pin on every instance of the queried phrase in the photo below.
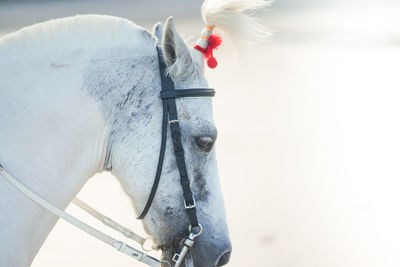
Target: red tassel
(212, 62)
(201, 49)
(214, 41)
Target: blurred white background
(313, 179)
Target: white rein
(119, 245)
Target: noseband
(170, 117)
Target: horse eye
(205, 143)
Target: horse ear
(158, 31)
(174, 48)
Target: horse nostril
(224, 259)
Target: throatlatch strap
(160, 162)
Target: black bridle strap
(189, 202)
(168, 96)
(193, 92)
(160, 162)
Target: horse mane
(59, 36)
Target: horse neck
(53, 138)
(129, 100)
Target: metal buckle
(194, 234)
(176, 257)
(190, 206)
(173, 121)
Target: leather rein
(170, 118)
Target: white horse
(76, 90)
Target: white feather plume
(234, 18)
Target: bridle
(170, 118)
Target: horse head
(131, 160)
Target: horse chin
(204, 253)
